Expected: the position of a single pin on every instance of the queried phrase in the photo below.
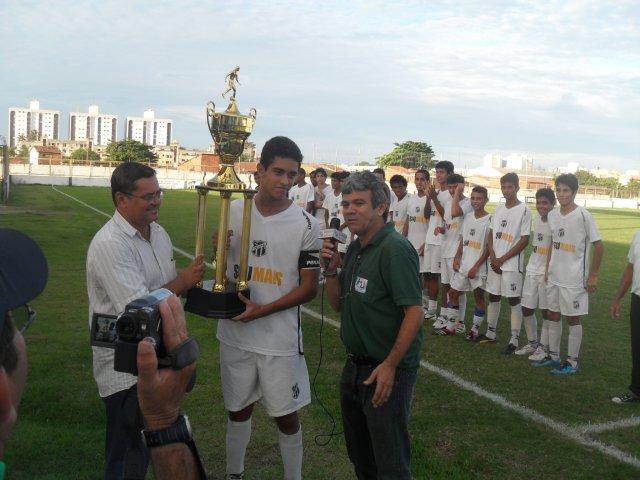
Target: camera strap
(183, 355)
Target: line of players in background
(465, 249)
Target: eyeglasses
(23, 316)
(149, 197)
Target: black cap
(23, 270)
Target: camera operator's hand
(160, 391)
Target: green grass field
(456, 434)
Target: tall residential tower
(23, 121)
(148, 129)
(98, 127)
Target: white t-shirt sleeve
(326, 203)
(311, 195)
(525, 226)
(592, 230)
(633, 250)
(310, 240)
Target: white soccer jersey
(475, 233)
(634, 259)
(453, 227)
(302, 195)
(508, 226)
(319, 195)
(279, 246)
(399, 209)
(436, 220)
(539, 247)
(333, 204)
(417, 222)
(572, 235)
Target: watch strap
(178, 432)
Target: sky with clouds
(557, 80)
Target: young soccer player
(534, 293)
(470, 264)
(333, 206)
(321, 191)
(569, 278)
(438, 197)
(453, 217)
(415, 229)
(510, 229)
(302, 192)
(398, 208)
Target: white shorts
(447, 271)
(462, 283)
(507, 284)
(570, 302)
(281, 382)
(534, 292)
(432, 259)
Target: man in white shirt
(261, 352)
(569, 277)
(453, 217)
(321, 191)
(510, 229)
(130, 256)
(631, 278)
(439, 197)
(302, 192)
(534, 290)
(398, 208)
(415, 228)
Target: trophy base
(209, 304)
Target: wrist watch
(178, 432)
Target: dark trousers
(635, 344)
(377, 438)
(126, 457)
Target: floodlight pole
(5, 169)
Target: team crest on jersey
(295, 391)
(417, 209)
(561, 232)
(472, 232)
(503, 223)
(540, 237)
(360, 285)
(576, 304)
(514, 287)
(259, 248)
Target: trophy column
(221, 251)
(201, 222)
(243, 283)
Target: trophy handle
(253, 113)
(211, 110)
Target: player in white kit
(415, 228)
(570, 274)
(321, 191)
(534, 290)
(510, 229)
(398, 208)
(470, 264)
(302, 193)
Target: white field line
(632, 421)
(575, 434)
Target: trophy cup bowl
(219, 298)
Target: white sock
(575, 338)
(238, 435)
(291, 452)
(478, 318)
(453, 318)
(462, 304)
(544, 335)
(425, 298)
(531, 327)
(493, 313)
(433, 305)
(444, 312)
(555, 335)
(516, 323)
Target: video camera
(140, 319)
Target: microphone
(334, 234)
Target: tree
(23, 152)
(13, 152)
(409, 155)
(130, 151)
(84, 154)
(33, 136)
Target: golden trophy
(229, 129)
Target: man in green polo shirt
(379, 296)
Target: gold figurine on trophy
(229, 129)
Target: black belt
(363, 360)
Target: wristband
(328, 273)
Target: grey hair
(363, 181)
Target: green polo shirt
(376, 282)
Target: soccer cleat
(473, 335)
(509, 349)
(444, 331)
(461, 329)
(546, 362)
(430, 314)
(528, 349)
(565, 369)
(235, 476)
(440, 322)
(538, 355)
(482, 338)
(628, 397)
